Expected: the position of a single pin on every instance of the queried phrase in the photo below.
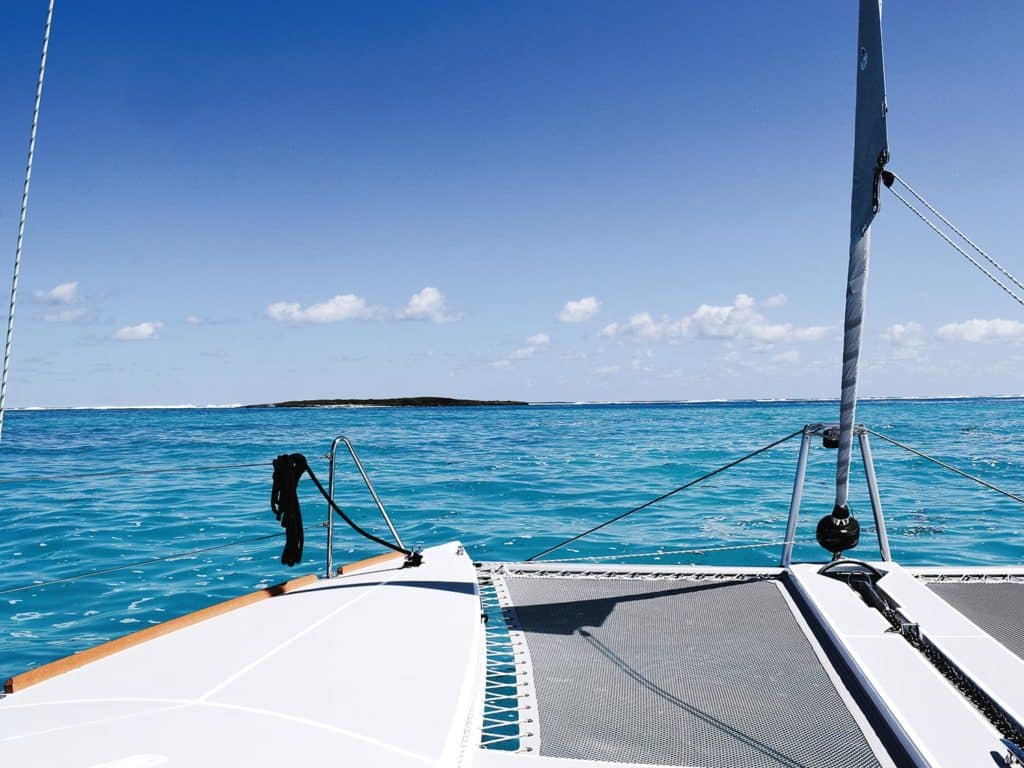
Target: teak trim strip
(369, 562)
(68, 663)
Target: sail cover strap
(870, 153)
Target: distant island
(390, 402)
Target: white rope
(960, 250)
(700, 551)
(24, 212)
(963, 237)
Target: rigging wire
(953, 227)
(141, 563)
(24, 214)
(944, 465)
(664, 496)
(959, 250)
(121, 472)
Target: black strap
(284, 501)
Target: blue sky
(581, 201)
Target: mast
(870, 154)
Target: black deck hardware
(838, 532)
(865, 583)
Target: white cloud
(789, 356)
(533, 344)
(607, 370)
(346, 306)
(811, 333)
(778, 300)
(981, 330)
(140, 332)
(643, 326)
(62, 297)
(904, 334)
(65, 293)
(580, 310)
(739, 320)
(194, 320)
(428, 304)
(65, 315)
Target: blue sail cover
(870, 152)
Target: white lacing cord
(949, 240)
(24, 212)
(666, 553)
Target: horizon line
(681, 401)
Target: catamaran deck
(574, 666)
(378, 668)
(678, 668)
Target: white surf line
(281, 646)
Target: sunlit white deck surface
(379, 668)
(937, 722)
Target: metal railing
(341, 439)
(810, 431)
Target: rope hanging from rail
(889, 178)
(24, 214)
(664, 496)
(288, 470)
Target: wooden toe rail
(369, 562)
(68, 663)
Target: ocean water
(507, 482)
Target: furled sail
(870, 153)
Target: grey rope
(24, 214)
(664, 496)
(944, 465)
(139, 563)
(121, 472)
(960, 250)
(953, 227)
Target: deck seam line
(281, 646)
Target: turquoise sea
(507, 482)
